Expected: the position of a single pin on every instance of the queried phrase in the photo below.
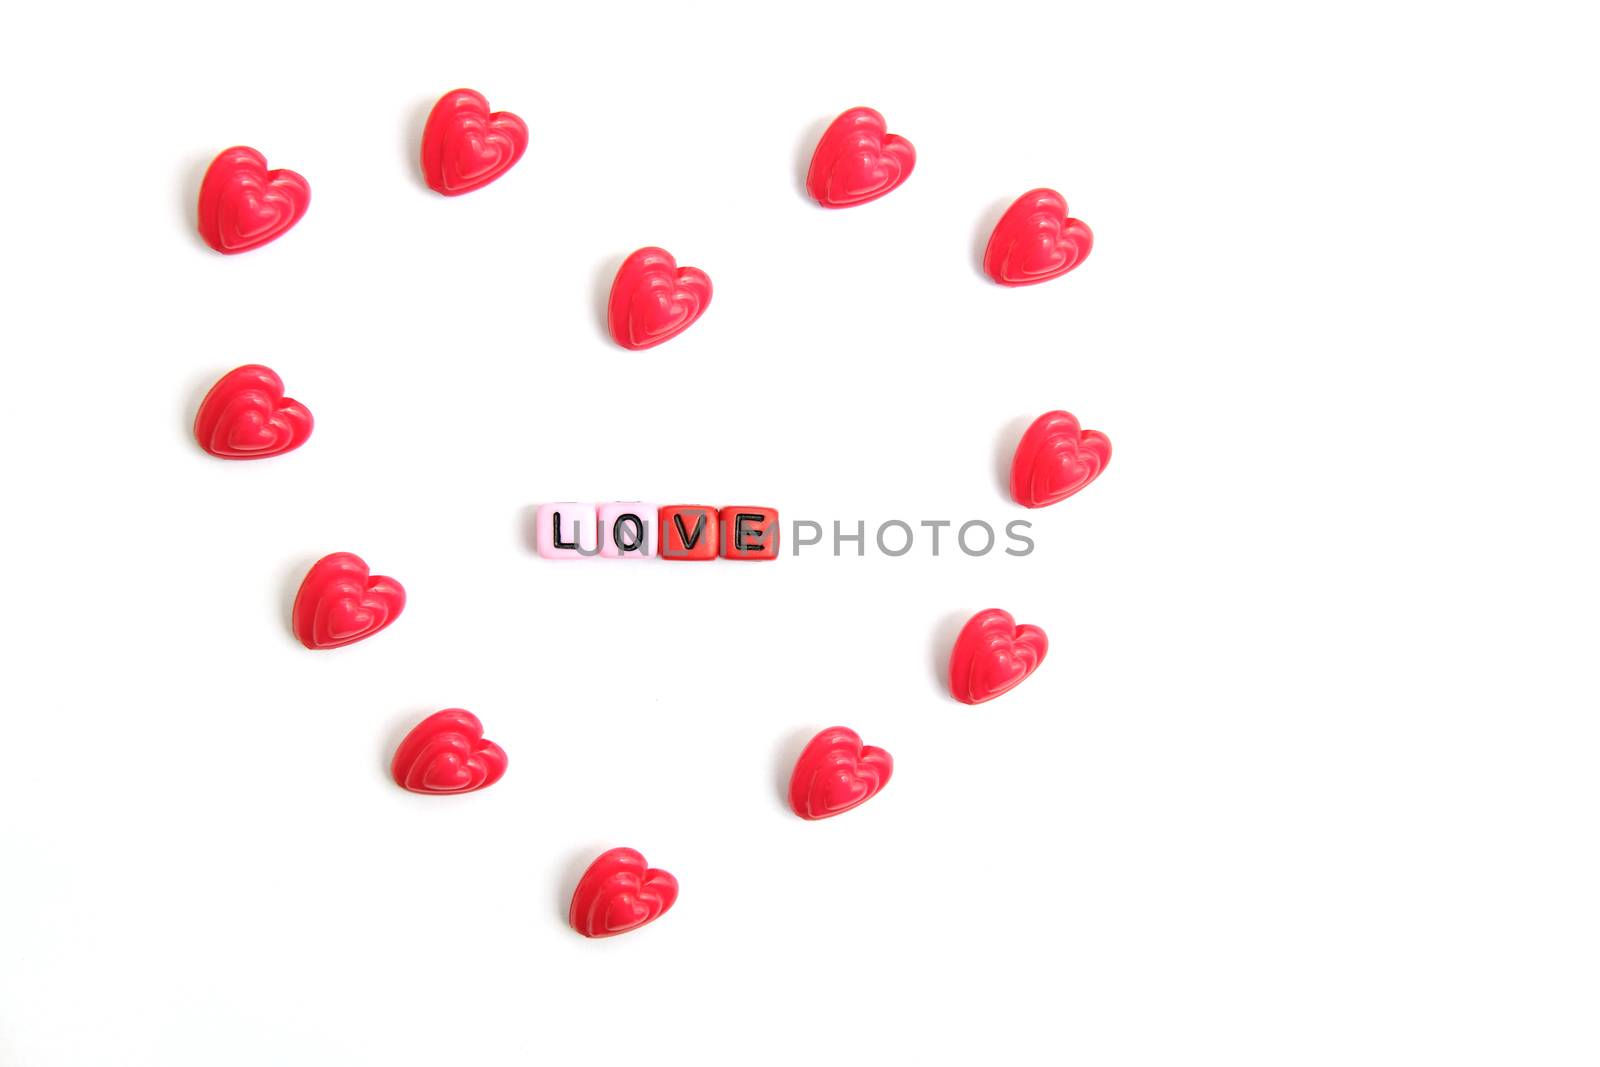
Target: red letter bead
(688, 531)
(749, 533)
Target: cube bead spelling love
(634, 530)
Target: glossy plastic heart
(340, 602)
(1035, 241)
(446, 753)
(858, 160)
(243, 205)
(465, 146)
(620, 892)
(1055, 459)
(653, 299)
(993, 655)
(835, 773)
(246, 416)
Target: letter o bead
(627, 530)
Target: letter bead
(627, 530)
(688, 531)
(749, 533)
(566, 531)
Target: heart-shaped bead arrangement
(465, 146)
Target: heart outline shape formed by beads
(246, 416)
(1035, 241)
(1055, 459)
(243, 205)
(465, 146)
(340, 602)
(653, 299)
(857, 160)
(992, 656)
(620, 892)
(447, 753)
(835, 773)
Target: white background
(1307, 778)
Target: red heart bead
(465, 146)
(992, 655)
(654, 300)
(340, 603)
(246, 416)
(1055, 459)
(618, 893)
(446, 753)
(835, 773)
(858, 160)
(243, 205)
(1035, 241)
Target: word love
(629, 529)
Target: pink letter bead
(627, 530)
(566, 531)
